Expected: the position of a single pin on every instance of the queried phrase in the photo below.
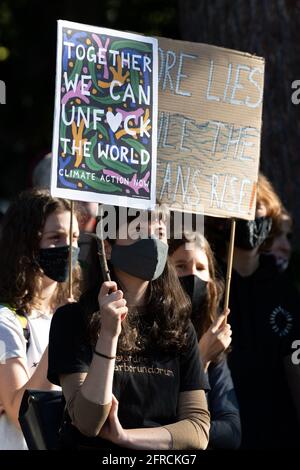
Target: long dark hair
(215, 287)
(22, 229)
(163, 322)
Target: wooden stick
(229, 266)
(102, 255)
(103, 261)
(70, 253)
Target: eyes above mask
(55, 261)
(145, 259)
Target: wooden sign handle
(103, 261)
(70, 253)
(102, 256)
(229, 266)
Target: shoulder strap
(26, 331)
(24, 323)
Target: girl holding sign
(34, 247)
(194, 262)
(127, 356)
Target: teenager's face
(136, 254)
(190, 259)
(57, 230)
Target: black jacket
(265, 320)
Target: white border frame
(88, 196)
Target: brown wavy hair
(161, 324)
(22, 229)
(267, 196)
(215, 286)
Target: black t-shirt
(147, 384)
(265, 320)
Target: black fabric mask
(196, 289)
(250, 234)
(145, 259)
(55, 261)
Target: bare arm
(15, 379)
(97, 386)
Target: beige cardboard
(209, 128)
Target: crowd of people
(150, 359)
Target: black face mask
(196, 289)
(145, 259)
(55, 261)
(250, 234)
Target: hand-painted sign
(105, 125)
(209, 128)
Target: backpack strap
(26, 331)
(24, 323)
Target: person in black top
(127, 357)
(195, 265)
(265, 322)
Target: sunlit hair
(22, 230)
(267, 196)
(163, 321)
(215, 286)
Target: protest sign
(105, 124)
(209, 128)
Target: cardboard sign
(105, 126)
(209, 128)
